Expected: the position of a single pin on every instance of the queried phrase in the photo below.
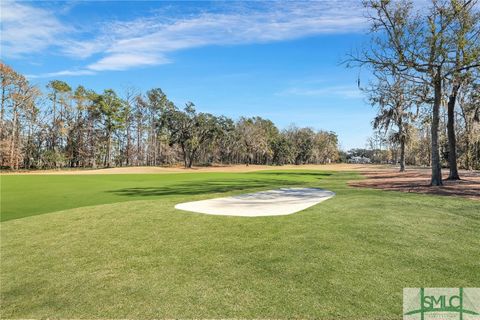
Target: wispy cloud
(122, 61)
(81, 72)
(148, 41)
(26, 29)
(347, 92)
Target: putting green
(26, 195)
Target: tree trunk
(91, 142)
(2, 110)
(54, 123)
(402, 143)
(54, 130)
(154, 144)
(12, 142)
(107, 154)
(129, 145)
(436, 165)
(467, 140)
(78, 139)
(452, 143)
(402, 154)
(467, 153)
(28, 152)
(190, 162)
(191, 158)
(185, 162)
(139, 137)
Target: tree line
(426, 80)
(80, 128)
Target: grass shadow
(204, 187)
(290, 174)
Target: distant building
(362, 160)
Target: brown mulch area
(417, 180)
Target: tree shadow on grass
(298, 176)
(319, 175)
(204, 187)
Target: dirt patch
(216, 168)
(418, 180)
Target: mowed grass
(119, 249)
(27, 195)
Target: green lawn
(113, 246)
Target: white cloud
(122, 61)
(26, 29)
(156, 39)
(80, 72)
(149, 40)
(347, 92)
(83, 49)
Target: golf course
(113, 246)
(241, 160)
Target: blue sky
(278, 60)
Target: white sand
(266, 203)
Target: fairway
(113, 246)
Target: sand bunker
(266, 203)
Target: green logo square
(441, 303)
